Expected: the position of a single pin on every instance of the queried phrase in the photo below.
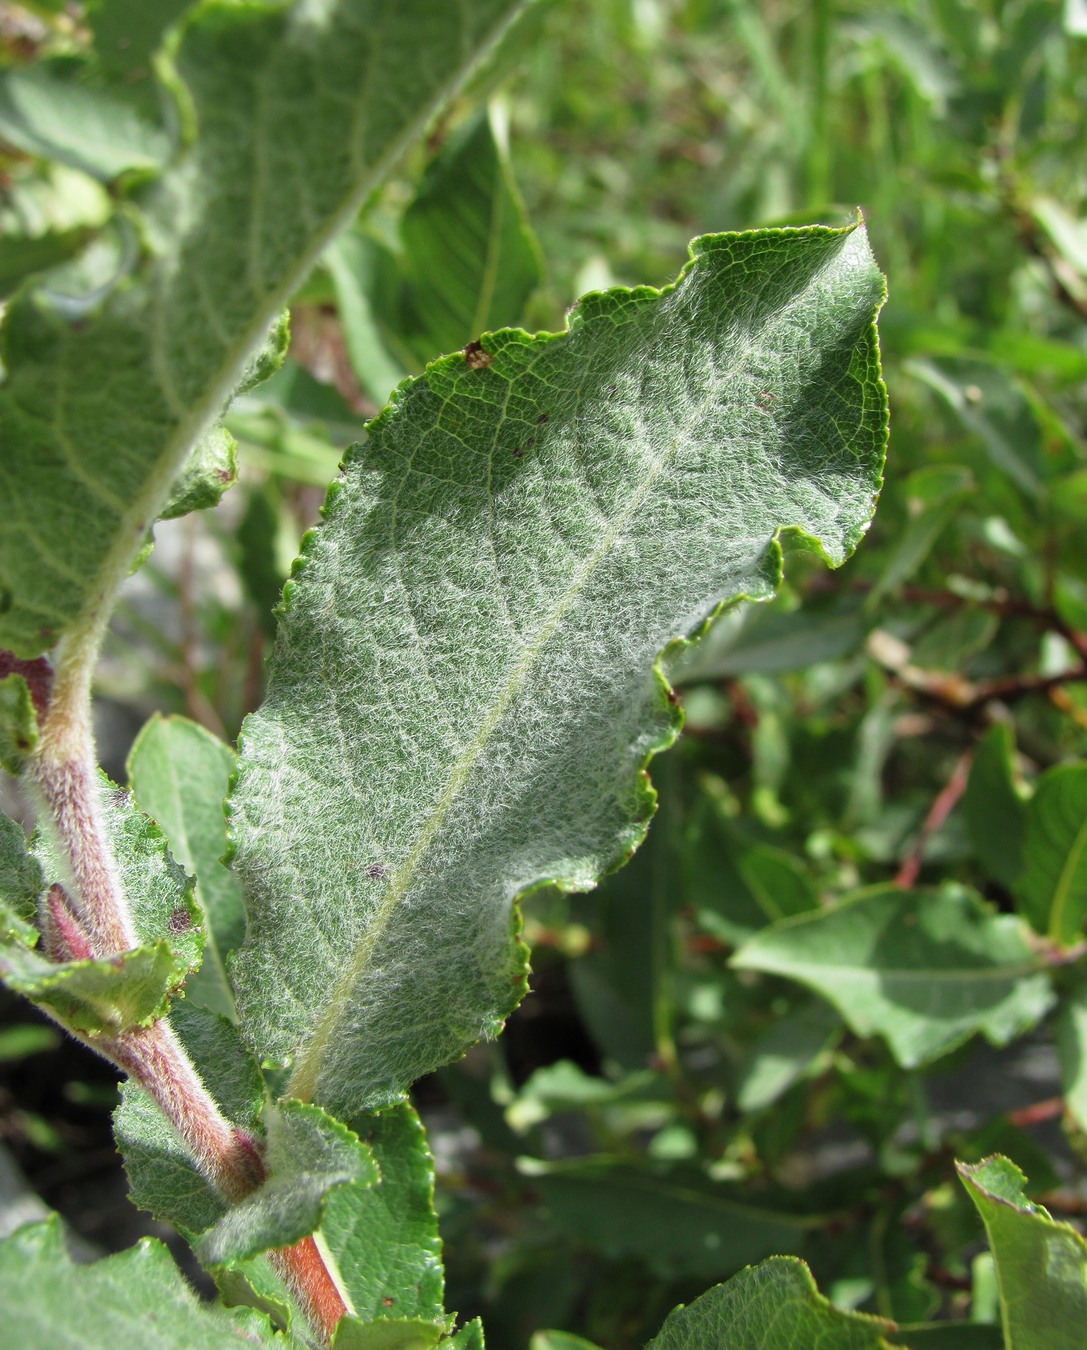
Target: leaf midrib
(307, 1069)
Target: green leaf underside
(464, 686)
(923, 970)
(294, 124)
(96, 996)
(1052, 888)
(179, 774)
(1041, 1264)
(137, 1297)
(771, 1306)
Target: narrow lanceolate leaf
(772, 1306)
(994, 807)
(1041, 1265)
(1052, 888)
(923, 970)
(104, 400)
(179, 774)
(470, 258)
(464, 691)
(137, 1297)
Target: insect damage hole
(475, 357)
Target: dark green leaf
(1052, 888)
(995, 811)
(675, 1220)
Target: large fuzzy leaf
(294, 113)
(464, 693)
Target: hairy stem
(90, 917)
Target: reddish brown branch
(942, 806)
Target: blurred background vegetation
(910, 727)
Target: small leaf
(18, 723)
(353, 262)
(470, 259)
(1072, 1049)
(208, 472)
(762, 640)
(413, 1334)
(772, 1306)
(995, 811)
(137, 1297)
(784, 1053)
(991, 405)
(307, 1153)
(66, 120)
(1041, 1265)
(470, 637)
(180, 775)
(384, 1237)
(21, 885)
(934, 495)
(924, 970)
(1052, 888)
(96, 997)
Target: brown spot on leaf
(179, 922)
(376, 871)
(541, 419)
(388, 1302)
(475, 357)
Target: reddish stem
(309, 1281)
(943, 804)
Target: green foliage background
(860, 908)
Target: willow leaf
(464, 693)
(293, 113)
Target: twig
(942, 806)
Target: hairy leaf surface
(179, 774)
(772, 1306)
(137, 1297)
(294, 113)
(130, 989)
(464, 691)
